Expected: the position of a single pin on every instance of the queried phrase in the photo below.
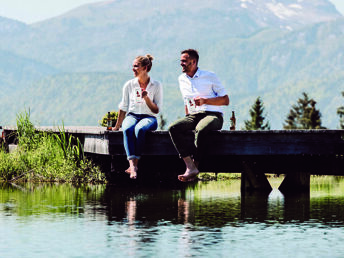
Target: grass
(209, 176)
(43, 156)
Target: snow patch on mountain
(290, 14)
(283, 12)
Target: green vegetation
(257, 117)
(340, 112)
(42, 156)
(113, 118)
(32, 194)
(304, 115)
(209, 176)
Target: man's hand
(200, 101)
(217, 101)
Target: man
(203, 97)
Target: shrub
(43, 156)
(113, 117)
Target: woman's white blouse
(132, 100)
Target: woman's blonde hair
(145, 61)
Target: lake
(205, 219)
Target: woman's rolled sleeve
(124, 104)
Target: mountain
(12, 27)
(16, 71)
(92, 37)
(275, 49)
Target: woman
(141, 102)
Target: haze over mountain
(268, 48)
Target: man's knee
(209, 124)
(173, 127)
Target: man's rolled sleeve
(218, 88)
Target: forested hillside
(72, 67)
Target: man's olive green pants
(201, 122)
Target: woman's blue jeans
(134, 129)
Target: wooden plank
(247, 143)
(221, 143)
(97, 144)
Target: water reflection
(214, 204)
(207, 205)
(204, 219)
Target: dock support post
(296, 181)
(253, 179)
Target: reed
(43, 156)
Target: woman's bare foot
(132, 171)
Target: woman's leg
(129, 139)
(144, 125)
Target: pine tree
(257, 118)
(340, 112)
(304, 115)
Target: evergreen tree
(340, 112)
(304, 115)
(257, 118)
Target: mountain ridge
(255, 51)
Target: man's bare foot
(189, 175)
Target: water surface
(207, 219)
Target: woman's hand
(121, 115)
(144, 94)
(116, 128)
(152, 106)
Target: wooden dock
(295, 153)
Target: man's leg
(210, 122)
(184, 145)
(191, 170)
(178, 132)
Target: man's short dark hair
(193, 54)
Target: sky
(31, 11)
